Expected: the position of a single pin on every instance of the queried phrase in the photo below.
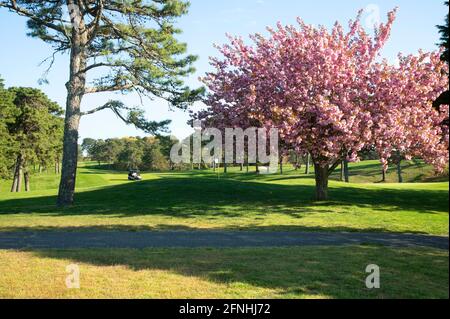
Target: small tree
(7, 114)
(132, 43)
(35, 131)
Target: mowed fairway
(203, 200)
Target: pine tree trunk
(321, 174)
(75, 93)
(308, 163)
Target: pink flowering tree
(328, 95)
(405, 124)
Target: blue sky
(206, 24)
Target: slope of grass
(319, 272)
(205, 200)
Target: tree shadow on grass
(332, 272)
(186, 228)
(191, 197)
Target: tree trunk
(242, 167)
(308, 160)
(26, 177)
(19, 178)
(399, 171)
(15, 178)
(257, 168)
(342, 172)
(75, 92)
(225, 167)
(321, 174)
(383, 175)
(346, 172)
(281, 165)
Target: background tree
(131, 155)
(444, 98)
(153, 158)
(7, 113)
(87, 145)
(36, 133)
(132, 43)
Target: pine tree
(131, 42)
(35, 131)
(7, 111)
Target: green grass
(308, 272)
(202, 200)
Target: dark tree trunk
(399, 171)
(342, 172)
(75, 92)
(321, 174)
(281, 166)
(383, 175)
(26, 177)
(225, 167)
(346, 172)
(308, 163)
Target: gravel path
(115, 239)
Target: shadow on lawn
(291, 272)
(185, 228)
(204, 196)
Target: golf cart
(134, 175)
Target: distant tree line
(31, 135)
(147, 153)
